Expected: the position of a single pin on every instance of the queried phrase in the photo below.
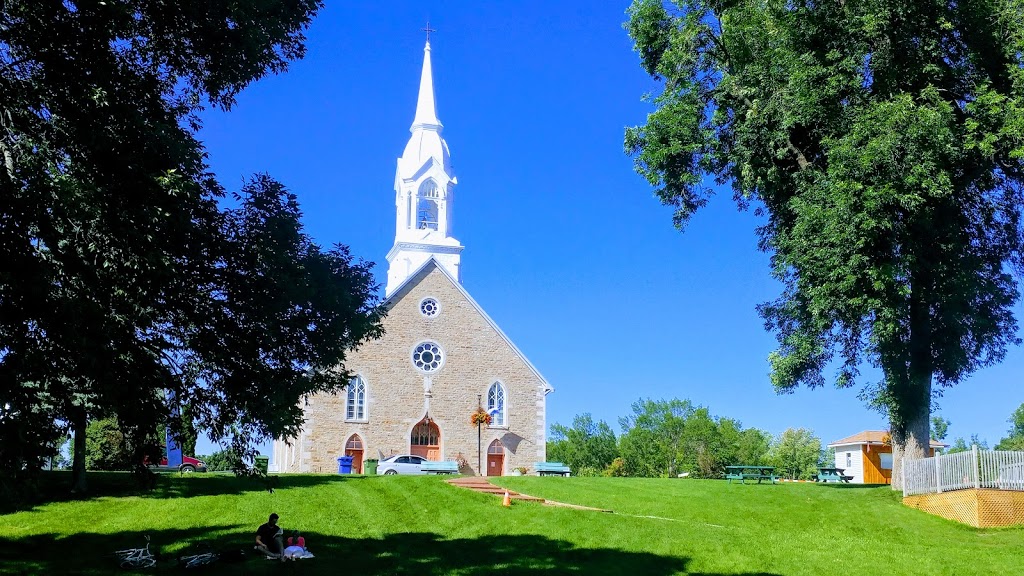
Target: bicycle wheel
(139, 562)
(200, 560)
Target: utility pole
(479, 468)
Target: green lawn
(420, 525)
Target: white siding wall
(856, 467)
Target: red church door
(354, 448)
(495, 459)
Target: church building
(441, 357)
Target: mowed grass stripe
(804, 520)
(421, 525)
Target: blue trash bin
(345, 465)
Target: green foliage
(1014, 439)
(753, 447)
(961, 445)
(29, 439)
(939, 428)
(223, 461)
(123, 277)
(616, 469)
(667, 437)
(797, 454)
(587, 447)
(652, 436)
(884, 144)
(1015, 443)
(106, 447)
(1017, 422)
(827, 458)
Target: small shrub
(616, 469)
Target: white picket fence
(999, 469)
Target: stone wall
(399, 395)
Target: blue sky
(566, 247)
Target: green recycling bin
(370, 467)
(262, 463)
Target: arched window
(354, 443)
(427, 206)
(425, 434)
(355, 407)
(496, 404)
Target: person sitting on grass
(269, 539)
(296, 546)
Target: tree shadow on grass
(55, 486)
(418, 553)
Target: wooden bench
(440, 467)
(551, 469)
(744, 473)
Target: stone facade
(399, 395)
(425, 263)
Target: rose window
(429, 307)
(427, 357)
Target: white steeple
(424, 191)
(426, 110)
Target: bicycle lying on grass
(200, 559)
(136, 557)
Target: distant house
(867, 456)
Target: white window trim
(487, 395)
(366, 402)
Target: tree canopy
(587, 447)
(797, 453)
(668, 437)
(939, 428)
(124, 279)
(1014, 439)
(883, 142)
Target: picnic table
(834, 474)
(744, 473)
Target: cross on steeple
(428, 30)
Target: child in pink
(296, 546)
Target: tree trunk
(78, 485)
(909, 419)
(911, 443)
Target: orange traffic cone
(507, 500)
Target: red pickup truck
(188, 465)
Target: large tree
(123, 279)
(797, 453)
(883, 142)
(652, 437)
(587, 447)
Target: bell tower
(424, 194)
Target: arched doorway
(425, 440)
(495, 459)
(354, 448)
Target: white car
(401, 464)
